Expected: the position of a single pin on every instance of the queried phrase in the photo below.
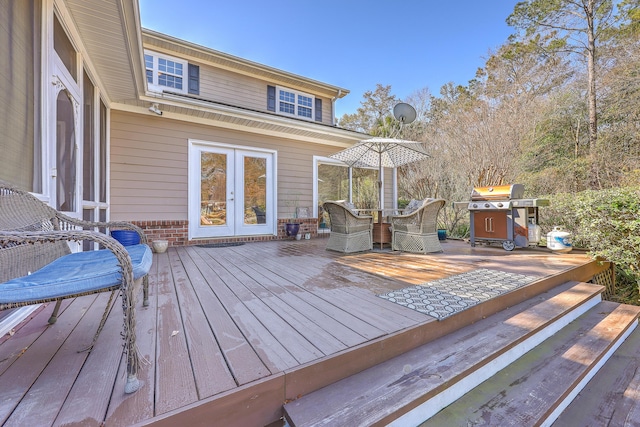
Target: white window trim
(297, 94)
(155, 86)
(317, 160)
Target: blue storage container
(126, 237)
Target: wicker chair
(349, 232)
(417, 231)
(38, 266)
(261, 216)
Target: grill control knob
(487, 205)
(475, 205)
(500, 205)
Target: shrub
(607, 224)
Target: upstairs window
(165, 72)
(295, 103)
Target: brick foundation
(176, 232)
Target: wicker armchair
(417, 231)
(38, 266)
(349, 232)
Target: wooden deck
(231, 333)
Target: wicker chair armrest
(359, 219)
(357, 223)
(403, 220)
(403, 217)
(416, 221)
(100, 224)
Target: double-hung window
(165, 72)
(295, 103)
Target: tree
(376, 106)
(619, 101)
(571, 26)
(519, 72)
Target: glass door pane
(66, 154)
(365, 188)
(213, 189)
(89, 141)
(255, 190)
(253, 180)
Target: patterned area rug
(444, 297)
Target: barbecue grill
(501, 214)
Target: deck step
(536, 388)
(612, 397)
(418, 384)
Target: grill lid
(498, 192)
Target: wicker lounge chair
(261, 216)
(38, 266)
(349, 232)
(417, 231)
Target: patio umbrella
(383, 153)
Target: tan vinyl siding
(20, 74)
(327, 111)
(149, 165)
(388, 187)
(243, 91)
(238, 90)
(232, 89)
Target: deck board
(13, 347)
(377, 315)
(244, 363)
(38, 407)
(414, 316)
(175, 382)
(257, 299)
(96, 376)
(127, 409)
(247, 318)
(273, 354)
(210, 370)
(19, 379)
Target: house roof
(111, 36)
(238, 65)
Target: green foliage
(607, 223)
(376, 106)
(525, 118)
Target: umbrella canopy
(383, 153)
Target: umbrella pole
(380, 207)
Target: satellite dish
(404, 113)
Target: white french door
(231, 191)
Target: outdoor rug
(444, 297)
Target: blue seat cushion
(74, 274)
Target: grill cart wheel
(508, 245)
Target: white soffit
(110, 33)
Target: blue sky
(353, 44)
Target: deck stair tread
(612, 397)
(534, 389)
(382, 393)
